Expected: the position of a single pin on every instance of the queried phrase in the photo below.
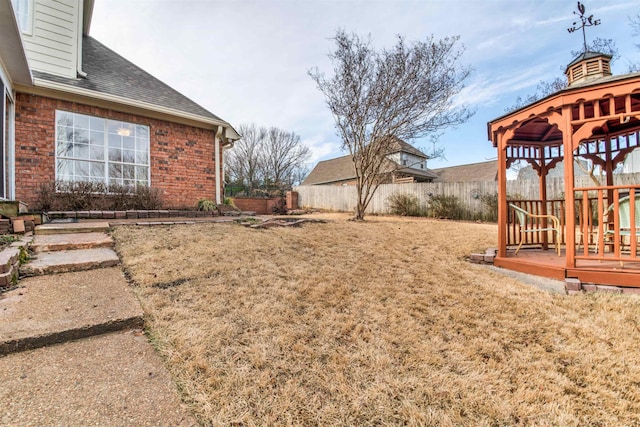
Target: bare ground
(376, 323)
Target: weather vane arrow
(586, 21)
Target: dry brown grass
(376, 323)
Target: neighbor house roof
(108, 73)
(334, 170)
(484, 171)
(400, 145)
(342, 169)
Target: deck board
(548, 264)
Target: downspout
(216, 139)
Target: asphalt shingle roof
(484, 171)
(342, 168)
(110, 73)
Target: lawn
(380, 322)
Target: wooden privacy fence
(470, 195)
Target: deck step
(51, 309)
(66, 261)
(71, 241)
(73, 227)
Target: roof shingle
(109, 73)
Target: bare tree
(266, 157)
(282, 156)
(405, 92)
(243, 162)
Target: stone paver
(73, 227)
(69, 241)
(65, 261)
(49, 309)
(110, 380)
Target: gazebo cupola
(588, 66)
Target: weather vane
(587, 21)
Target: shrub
(85, 195)
(206, 205)
(405, 205)
(441, 206)
(490, 202)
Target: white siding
(53, 45)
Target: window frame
(29, 15)
(103, 159)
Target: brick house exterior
(182, 145)
(182, 157)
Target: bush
(207, 205)
(490, 202)
(85, 195)
(441, 206)
(405, 205)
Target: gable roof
(342, 169)
(399, 145)
(108, 73)
(333, 170)
(483, 171)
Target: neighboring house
(473, 172)
(74, 110)
(405, 164)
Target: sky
(247, 61)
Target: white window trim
(30, 17)
(106, 149)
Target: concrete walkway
(72, 349)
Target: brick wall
(182, 157)
(260, 206)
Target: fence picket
(342, 198)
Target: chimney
(587, 66)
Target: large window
(94, 149)
(24, 14)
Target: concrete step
(45, 310)
(66, 261)
(71, 241)
(73, 227)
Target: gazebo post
(502, 196)
(543, 196)
(569, 194)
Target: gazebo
(595, 120)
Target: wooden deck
(547, 263)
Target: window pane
(97, 152)
(81, 136)
(141, 158)
(113, 126)
(82, 169)
(64, 169)
(129, 182)
(128, 142)
(64, 118)
(142, 144)
(65, 149)
(81, 151)
(97, 170)
(141, 172)
(142, 132)
(128, 156)
(80, 121)
(128, 171)
(115, 155)
(115, 140)
(143, 183)
(96, 123)
(97, 138)
(115, 170)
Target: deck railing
(609, 223)
(554, 207)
